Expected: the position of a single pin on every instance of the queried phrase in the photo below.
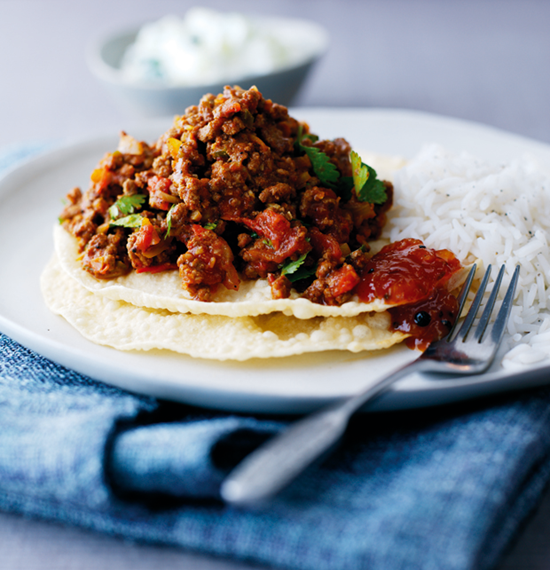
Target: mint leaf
(132, 221)
(127, 205)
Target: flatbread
(164, 291)
(152, 311)
(124, 326)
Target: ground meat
(334, 283)
(229, 193)
(162, 166)
(322, 207)
(177, 223)
(280, 286)
(280, 192)
(104, 256)
(207, 263)
(81, 225)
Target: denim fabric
(438, 489)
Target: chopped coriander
(364, 180)
(290, 266)
(127, 205)
(131, 221)
(312, 138)
(374, 190)
(360, 171)
(297, 270)
(169, 221)
(211, 225)
(367, 186)
(247, 118)
(302, 273)
(325, 170)
(221, 153)
(344, 188)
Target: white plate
(30, 201)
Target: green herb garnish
(131, 221)
(211, 225)
(169, 221)
(325, 170)
(221, 153)
(302, 273)
(345, 188)
(127, 205)
(247, 118)
(364, 180)
(290, 266)
(296, 270)
(360, 171)
(367, 186)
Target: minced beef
(228, 193)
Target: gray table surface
(480, 60)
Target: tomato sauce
(426, 320)
(415, 279)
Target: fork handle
(280, 460)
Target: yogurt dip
(207, 46)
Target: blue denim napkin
(438, 489)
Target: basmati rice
(490, 214)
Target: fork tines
(502, 317)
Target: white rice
(490, 214)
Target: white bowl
(105, 55)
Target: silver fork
(280, 460)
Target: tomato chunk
(159, 193)
(278, 240)
(146, 235)
(208, 262)
(342, 280)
